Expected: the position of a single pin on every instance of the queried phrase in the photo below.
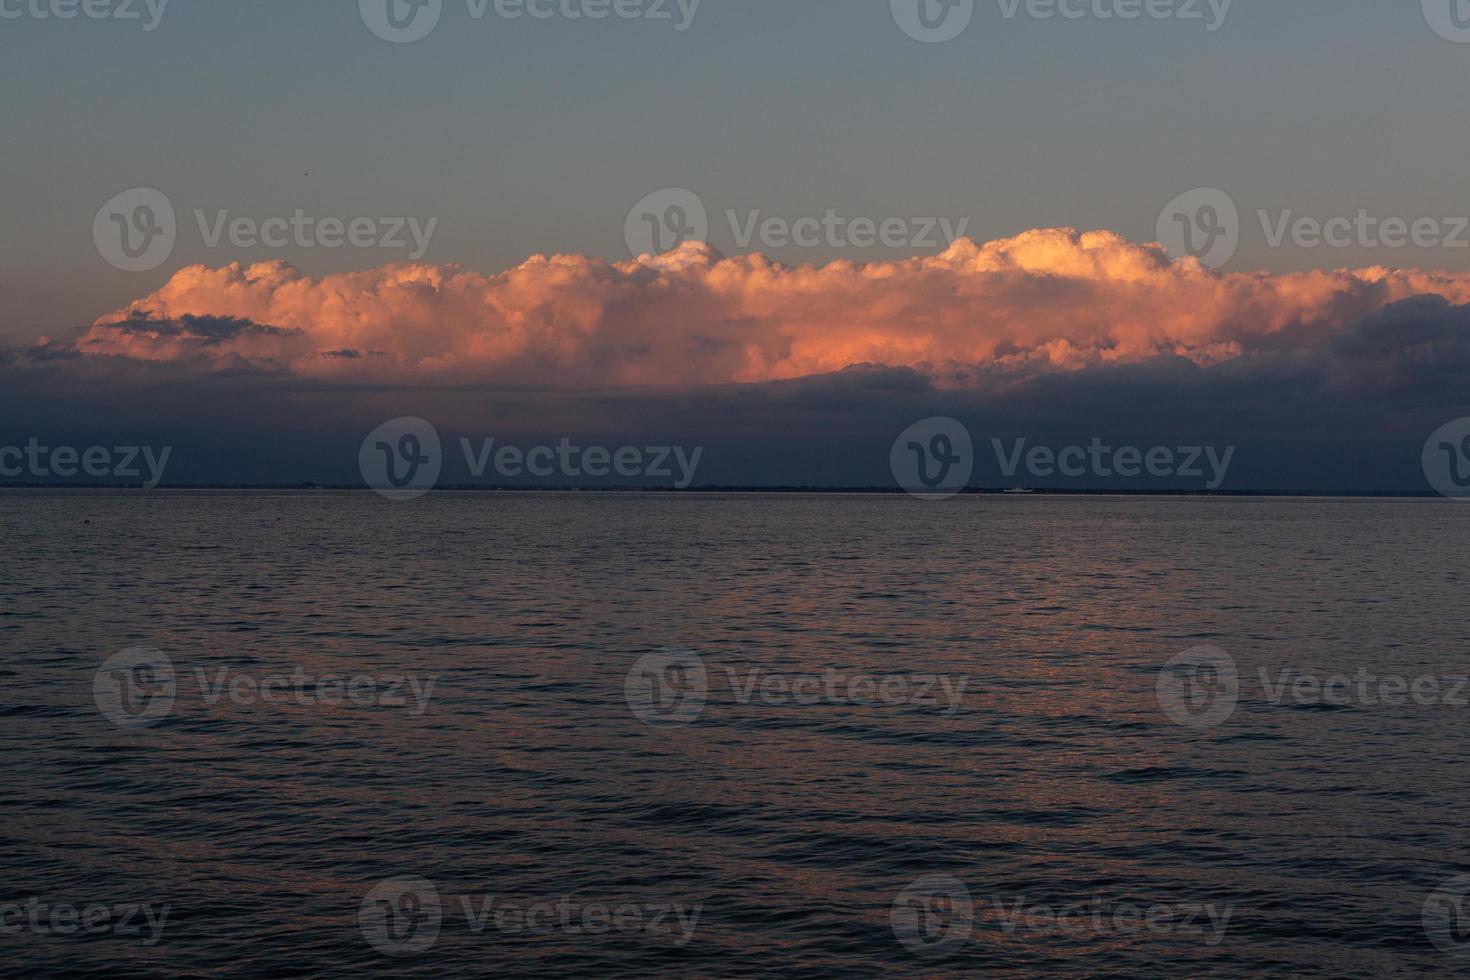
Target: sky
(1025, 169)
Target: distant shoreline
(733, 490)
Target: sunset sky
(1053, 143)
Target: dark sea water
(797, 834)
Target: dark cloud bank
(1349, 412)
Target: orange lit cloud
(1043, 301)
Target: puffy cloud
(1044, 301)
(1317, 399)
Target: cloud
(785, 375)
(978, 315)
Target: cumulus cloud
(1046, 301)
